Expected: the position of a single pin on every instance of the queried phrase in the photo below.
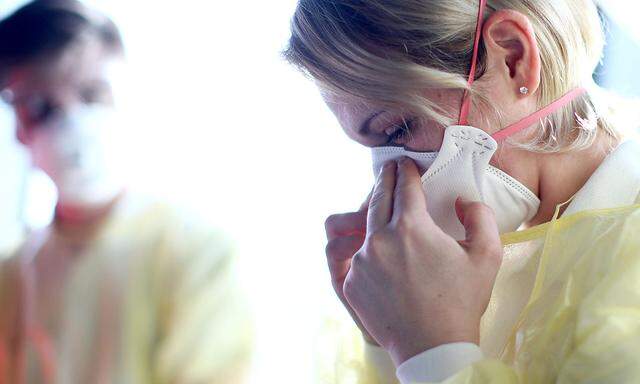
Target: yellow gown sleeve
(602, 322)
(205, 328)
(605, 325)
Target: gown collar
(615, 183)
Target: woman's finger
(338, 271)
(381, 205)
(346, 224)
(339, 252)
(409, 196)
(343, 248)
(482, 234)
(365, 204)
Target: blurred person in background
(118, 288)
(500, 243)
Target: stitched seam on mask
(445, 164)
(474, 159)
(526, 193)
(509, 180)
(393, 150)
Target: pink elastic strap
(536, 117)
(527, 121)
(466, 101)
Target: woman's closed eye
(400, 134)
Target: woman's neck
(562, 175)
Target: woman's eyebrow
(365, 127)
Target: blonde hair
(391, 51)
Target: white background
(220, 123)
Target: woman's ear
(512, 50)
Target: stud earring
(524, 90)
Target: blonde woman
(500, 244)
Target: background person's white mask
(79, 152)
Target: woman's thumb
(479, 223)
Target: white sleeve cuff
(380, 361)
(438, 364)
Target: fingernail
(405, 161)
(385, 166)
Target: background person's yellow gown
(566, 304)
(152, 298)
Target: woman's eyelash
(400, 133)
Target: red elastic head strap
(466, 101)
(536, 117)
(527, 121)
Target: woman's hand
(346, 233)
(410, 285)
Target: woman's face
(82, 75)
(375, 126)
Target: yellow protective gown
(566, 304)
(152, 298)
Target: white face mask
(461, 169)
(79, 152)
